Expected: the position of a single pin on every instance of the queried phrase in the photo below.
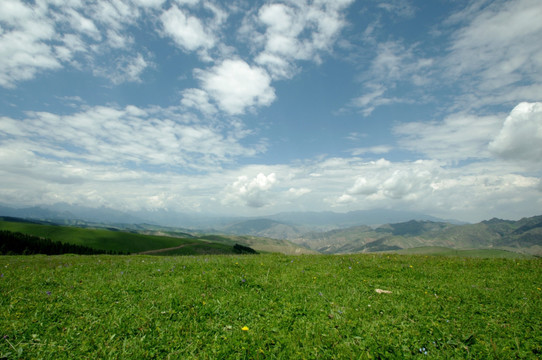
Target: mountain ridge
(306, 221)
(524, 236)
(331, 236)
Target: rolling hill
(147, 239)
(268, 235)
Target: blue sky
(257, 107)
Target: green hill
(148, 239)
(102, 239)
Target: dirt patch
(157, 251)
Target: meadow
(269, 307)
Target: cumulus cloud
(520, 138)
(187, 31)
(235, 86)
(251, 192)
(472, 192)
(384, 180)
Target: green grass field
(478, 253)
(269, 307)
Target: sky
(252, 108)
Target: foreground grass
(477, 253)
(269, 306)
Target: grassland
(476, 253)
(96, 238)
(269, 307)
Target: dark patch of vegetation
(16, 243)
(241, 249)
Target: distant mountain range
(293, 225)
(299, 221)
(325, 232)
(523, 236)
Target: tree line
(16, 243)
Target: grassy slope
(134, 242)
(270, 306)
(96, 238)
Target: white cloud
(498, 51)
(520, 138)
(474, 192)
(372, 99)
(149, 3)
(82, 24)
(187, 2)
(127, 69)
(114, 14)
(457, 137)
(118, 41)
(470, 193)
(363, 186)
(399, 7)
(379, 149)
(491, 57)
(49, 35)
(112, 135)
(198, 99)
(187, 31)
(393, 64)
(277, 65)
(298, 192)
(295, 31)
(394, 181)
(24, 51)
(250, 192)
(236, 86)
